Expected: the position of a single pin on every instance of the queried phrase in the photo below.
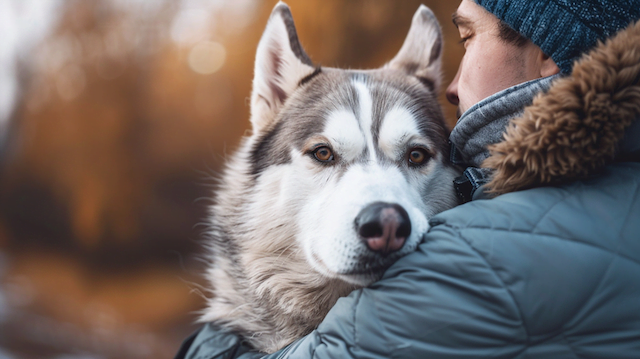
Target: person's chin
(462, 108)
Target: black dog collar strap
(471, 180)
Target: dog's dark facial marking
(388, 93)
(305, 117)
(352, 102)
(266, 153)
(310, 77)
(429, 83)
(431, 122)
(296, 122)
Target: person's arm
(211, 342)
(443, 301)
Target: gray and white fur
(329, 147)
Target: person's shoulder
(589, 216)
(555, 247)
(517, 211)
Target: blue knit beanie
(565, 29)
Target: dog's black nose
(383, 227)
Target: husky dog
(337, 181)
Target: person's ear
(548, 67)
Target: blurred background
(115, 115)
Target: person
(543, 261)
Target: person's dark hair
(510, 36)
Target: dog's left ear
(281, 63)
(421, 53)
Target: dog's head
(353, 163)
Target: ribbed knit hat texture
(565, 29)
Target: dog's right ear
(421, 53)
(280, 65)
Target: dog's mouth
(367, 269)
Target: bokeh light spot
(207, 57)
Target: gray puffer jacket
(546, 269)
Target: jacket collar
(484, 123)
(576, 127)
(471, 185)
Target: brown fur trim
(574, 129)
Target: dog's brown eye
(418, 156)
(323, 154)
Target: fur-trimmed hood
(576, 127)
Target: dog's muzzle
(383, 227)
